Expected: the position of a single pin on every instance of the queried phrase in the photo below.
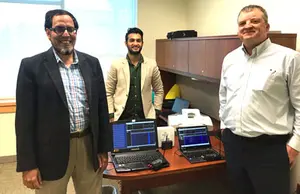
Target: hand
(111, 120)
(222, 131)
(292, 154)
(103, 161)
(32, 179)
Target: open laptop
(177, 107)
(195, 144)
(135, 145)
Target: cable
(180, 155)
(164, 153)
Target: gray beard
(65, 51)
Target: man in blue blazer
(62, 115)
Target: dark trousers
(257, 165)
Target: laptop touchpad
(136, 165)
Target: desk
(179, 171)
(7, 105)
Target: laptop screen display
(137, 135)
(193, 137)
(180, 104)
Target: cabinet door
(170, 48)
(160, 53)
(196, 57)
(230, 45)
(213, 65)
(284, 41)
(181, 55)
(215, 51)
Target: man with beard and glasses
(130, 82)
(62, 115)
(260, 108)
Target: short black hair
(134, 31)
(50, 14)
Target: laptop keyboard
(144, 157)
(206, 155)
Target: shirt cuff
(294, 142)
(111, 115)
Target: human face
(252, 28)
(63, 43)
(134, 44)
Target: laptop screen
(134, 135)
(180, 104)
(193, 137)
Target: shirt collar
(58, 59)
(259, 48)
(140, 62)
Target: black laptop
(195, 144)
(135, 145)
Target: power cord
(218, 135)
(176, 152)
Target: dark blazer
(42, 116)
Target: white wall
(157, 17)
(218, 17)
(7, 135)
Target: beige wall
(157, 17)
(218, 17)
(7, 135)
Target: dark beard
(134, 52)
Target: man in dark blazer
(62, 116)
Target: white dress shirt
(260, 94)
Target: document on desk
(175, 120)
(192, 116)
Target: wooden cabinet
(196, 61)
(202, 57)
(206, 56)
(160, 53)
(181, 55)
(165, 53)
(172, 54)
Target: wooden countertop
(7, 105)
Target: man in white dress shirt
(260, 108)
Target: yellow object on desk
(173, 92)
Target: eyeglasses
(61, 29)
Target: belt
(80, 134)
(265, 138)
